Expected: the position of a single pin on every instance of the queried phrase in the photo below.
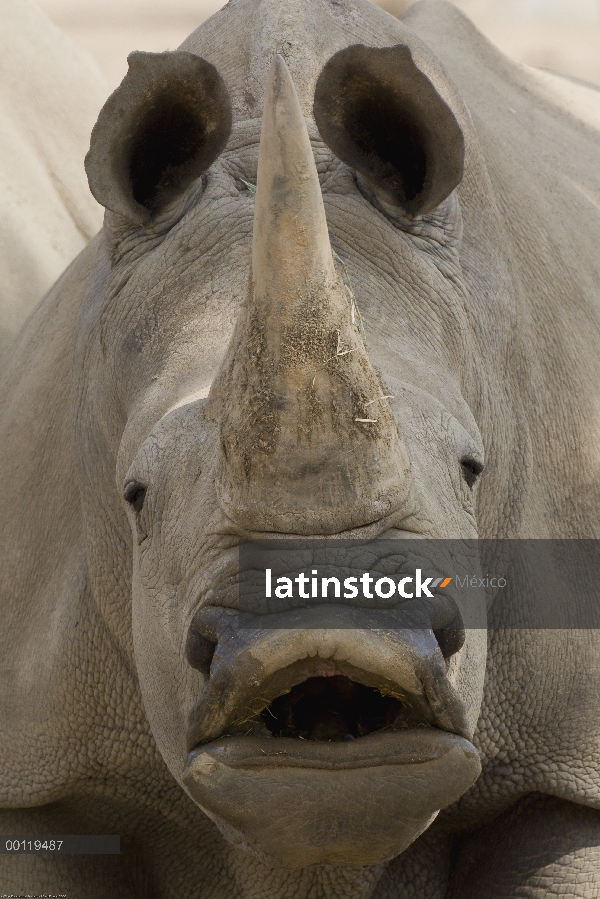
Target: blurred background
(561, 35)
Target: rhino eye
(135, 494)
(471, 470)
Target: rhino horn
(309, 443)
(290, 246)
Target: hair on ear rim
(380, 113)
(161, 129)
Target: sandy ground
(562, 35)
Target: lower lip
(300, 802)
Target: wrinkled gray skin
(482, 319)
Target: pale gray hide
(50, 94)
(147, 337)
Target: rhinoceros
(346, 262)
(51, 94)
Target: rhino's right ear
(382, 115)
(159, 131)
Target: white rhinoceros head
(277, 343)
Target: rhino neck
(308, 444)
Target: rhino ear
(159, 131)
(381, 115)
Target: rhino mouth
(319, 684)
(316, 774)
(335, 731)
(332, 709)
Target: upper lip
(253, 666)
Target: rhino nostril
(450, 639)
(199, 651)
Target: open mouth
(331, 709)
(322, 684)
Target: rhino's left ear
(381, 114)
(160, 130)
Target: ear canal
(381, 115)
(159, 131)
